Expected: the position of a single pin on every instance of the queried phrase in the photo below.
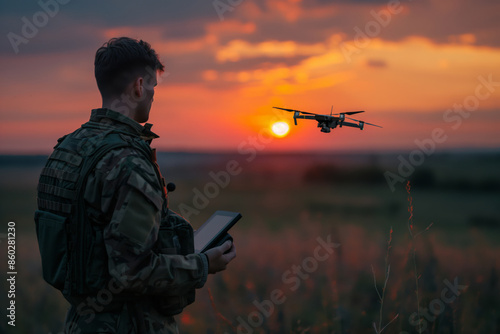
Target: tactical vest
(74, 258)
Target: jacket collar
(144, 131)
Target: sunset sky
(414, 66)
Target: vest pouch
(185, 234)
(51, 234)
(175, 237)
(183, 231)
(168, 241)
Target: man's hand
(217, 260)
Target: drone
(328, 122)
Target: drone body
(328, 122)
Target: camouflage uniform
(145, 267)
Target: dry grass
(282, 218)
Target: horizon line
(288, 152)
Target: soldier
(107, 238)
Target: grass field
(285, 280)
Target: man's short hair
(120, 60)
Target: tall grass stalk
(220, 316)
(414, 248)
(381, 297)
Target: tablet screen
(211, 229)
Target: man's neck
(119, 106)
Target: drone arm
(354, 125)
(305, 117)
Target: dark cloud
(376, 63)
(434, 20)
(177, 30)
(79, 25)
(61, 35)
(330, 2)
(440, 22)
(179, 20)
(118, 11)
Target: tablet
(214, 231)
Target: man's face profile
(147, 85)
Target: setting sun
(280, 129)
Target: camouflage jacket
(124, 197)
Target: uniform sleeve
(131, 195)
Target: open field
(286, 279)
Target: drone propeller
(357, 120)
(293, 110)
(350, 112)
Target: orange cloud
(240, 49)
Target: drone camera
(361, 125)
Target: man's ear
(138, 88)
